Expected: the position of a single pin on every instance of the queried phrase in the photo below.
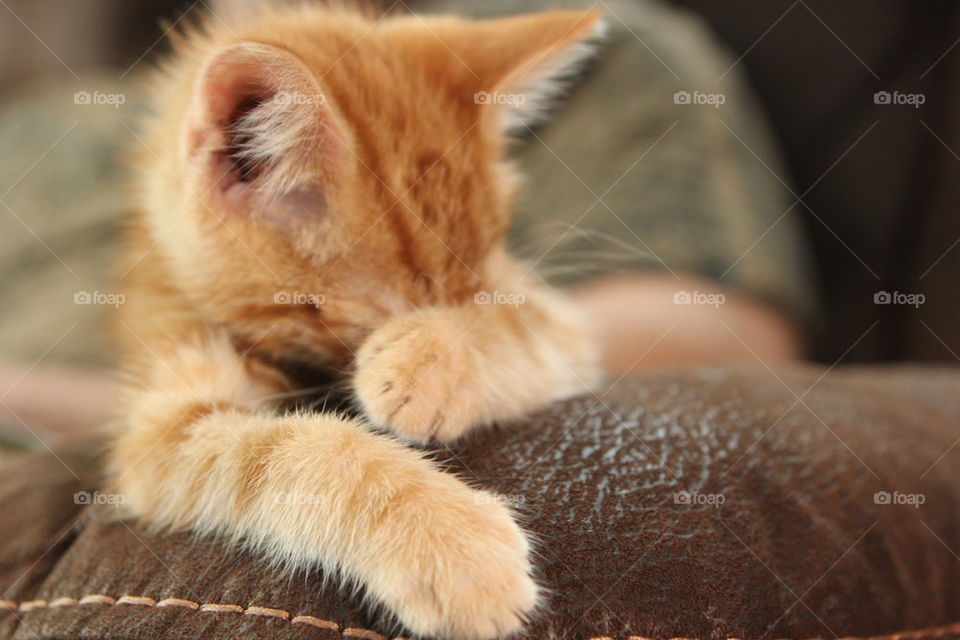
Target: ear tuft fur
(267, 141)
(544, 79)
(260, 125)
(522, 64)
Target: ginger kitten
(322, 189)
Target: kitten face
(311, 179)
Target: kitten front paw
(473, 579)
(416, 376)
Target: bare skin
(641, 327)
(52, 402)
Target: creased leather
(621, 492)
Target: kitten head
(314, 170)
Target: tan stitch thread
(212, 607)
(364, 634)
(178, 602)
(266, 612)
(316, 622)
(64, 602)
(920, 633)
(137, 600)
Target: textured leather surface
(623, 495)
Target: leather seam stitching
(345, 632)
(205, 607)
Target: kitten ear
(259, 128)
(524, 62)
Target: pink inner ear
(259, 132)
(229, 87)
(224, 86)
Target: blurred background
(862, 98)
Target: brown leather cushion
(623, 494)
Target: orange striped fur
(330, 188)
